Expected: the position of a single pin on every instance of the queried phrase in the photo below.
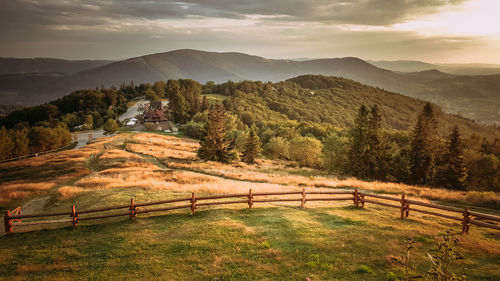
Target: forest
(328, 123)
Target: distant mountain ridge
(458, 69)
(476, 97)
(46, 65)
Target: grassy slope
(271, 242)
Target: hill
(335, 101)
(47, 65)
(323, 241)
(459, 69)
(455, 93)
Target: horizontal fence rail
(359, 199)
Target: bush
(391, 276)
(305, 151)
(276, 148)
(193, 129)
(110, 127)
(364, 269)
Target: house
(156, 105)
(154, 115)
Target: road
(83, 137)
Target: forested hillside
(474, 97)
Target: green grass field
(267, 243)
(213, 98)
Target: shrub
(276, 148)
(391, 276)
(305, 151)
(364, 269)
(193, 129)
(110, 127)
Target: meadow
(273, 241)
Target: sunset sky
(437, 31)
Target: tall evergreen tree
(214, 145)
(358, 143)
(204, 103)
(179, 107)
(378, 157)
(423, 148)
(453, 172)
(252, 148)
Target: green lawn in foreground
(266, 243)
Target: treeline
(21, 141)
(365, 150)
(431, 151)
(45, 127)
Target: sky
(436, 31)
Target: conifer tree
(453, 173)
(179, 107)
(252, 148)
(358, 143)
(378, 157)
(204, 103)
(423, 148)
(214, 146)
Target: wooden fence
(403, 204)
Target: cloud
(271, 28)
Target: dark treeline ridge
(330, 123)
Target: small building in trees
(154, 116)
(156, 105)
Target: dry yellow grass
(66, 192)
(241, 171)
(36, 175)
(164, 146)
(117, 168)
(21, 190)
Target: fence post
(407, 208)
(193, 203)
(74, 216)
(303, 202)
(356, 198)
(362, 200)
(8, 222)
(250, 199)
(466, 221)
(403, 205)
(133, 211)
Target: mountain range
(34, 81)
